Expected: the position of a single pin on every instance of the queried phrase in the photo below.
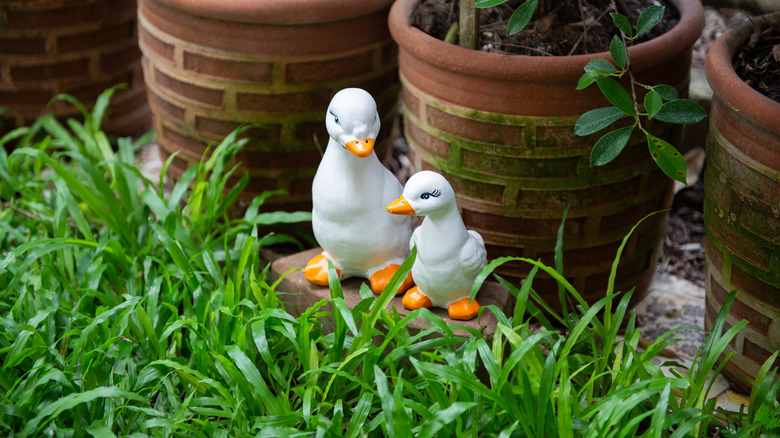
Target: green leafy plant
(661, 102)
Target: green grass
(129, 311)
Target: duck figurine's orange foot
(316, 271)
(463, 310)
(414, 299)
(381, 278)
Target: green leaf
(565, 428)
(386, 398)
(101, 105)
(616, 94)
(253, 376)
(281, 217)
(73, 101)
(72, 400)
(392, 287)
(610, 145)
(648, 19)
(521, 17)
(359, 416)
(622, 23)
(681, 111)
(98, 430)
(667, 92)
(174, 249)
(668, 158)
(432, 425)
(600, 66)
(346, 314)
(522, 297)
(761, 395)
(453, 411)
(618, 51)
(657, 422)
(585, 80)
(596, 120)
(488, 3)
(653, 103)
(558, 258)
(72, 206)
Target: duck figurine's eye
(426, 195)
(335, 118)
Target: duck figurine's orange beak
(401, 206)
(361, 148)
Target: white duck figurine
(350, 193)
(449, 257)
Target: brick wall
(207, 76)
(79, 47)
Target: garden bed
(132, 306)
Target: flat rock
(299, 294)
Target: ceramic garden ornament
(350, 192)
(449, 257)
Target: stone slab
(299, 294)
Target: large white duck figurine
(449, 257)
(350, 193)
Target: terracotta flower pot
(211, 65)
(742, 207)
(500, 128)
(79, 47)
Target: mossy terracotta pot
(500, 128)
(212, 65)
(742, 207)
(78, 47)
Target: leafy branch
(661, 102)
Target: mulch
(556, 28)
(683, 248)
(758, 63)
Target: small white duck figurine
(350, 193)
(449, 257)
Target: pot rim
(278, 12)
(540, 68)
(729, 87)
